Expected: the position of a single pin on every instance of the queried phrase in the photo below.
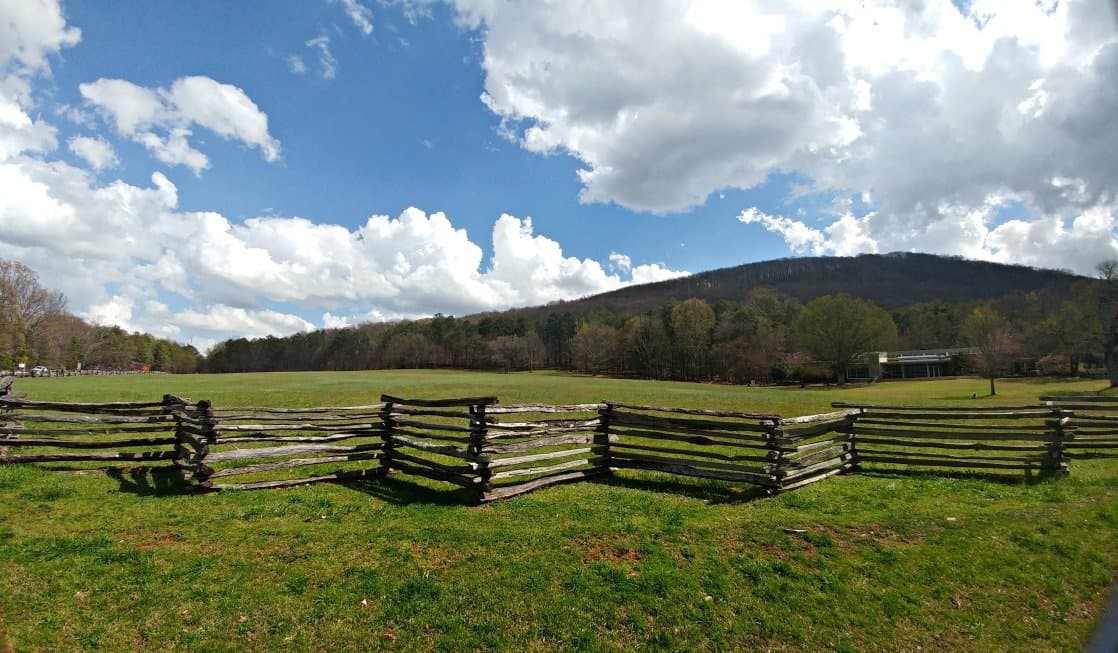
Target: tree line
(767, 336)
(36, 329)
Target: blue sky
(400, 125)
(207, 170)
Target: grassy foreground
(641, 561)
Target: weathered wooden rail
(994, 439)
(499, 451)
(56, 432)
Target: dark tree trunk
(992, 393)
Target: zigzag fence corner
(726, 445)
(500, 451)
(439, 439)
(1093, 420)
(537, 446)
(104, 433)
(995, 439)
(252, 447)
(814, 447)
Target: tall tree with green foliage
(989, 332)
(838, 329)
(692, 324)
(594, 348)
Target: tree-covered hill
(891, 281)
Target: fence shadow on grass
(150, 481)
(713, 492)
(399, 490)
(986, 477)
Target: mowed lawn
(637, 562)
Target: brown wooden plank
(20, 431)
(699, 438)
(92, 444)
(849, 404)
(945, 425)
(977, 446)
(63, 457)
(294, 462)
(800, 472)
(439, 403)
(287, 450)
(497, 463)
(944, 415)
(709, 464)
(441, 449)
(520, 447)
(903, 433)
(841, 415)
(808, 480)
(531, 471)
(925, 462)
(297, 438)
(542, 408)
(270, 485)
(865, 451)
(619, 417)
(693, 411)
(624, 446)
(765, 480)
(510, 491)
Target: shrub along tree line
(36, 329)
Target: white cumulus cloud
(935, 111)
(161, 119)
(96, 151)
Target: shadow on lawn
(713, 492)
(1028, 478)
(398, 489)
(149, 481)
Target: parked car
(39, 370)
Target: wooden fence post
(774, 442)
(386, 436)
(601, 438)
(1055, 463)
(7, 414)
(173, 406)
(208, 436)
(852, 431)
(479, 432)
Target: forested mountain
(762, 321)
(889, 280)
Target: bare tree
(25, 305)
(987, 330)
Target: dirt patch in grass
(146, 540)
(432, 558)
(878, 534)
(606, 548)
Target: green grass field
(637, 562)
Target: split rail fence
(498, 451)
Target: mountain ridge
(890, 280)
